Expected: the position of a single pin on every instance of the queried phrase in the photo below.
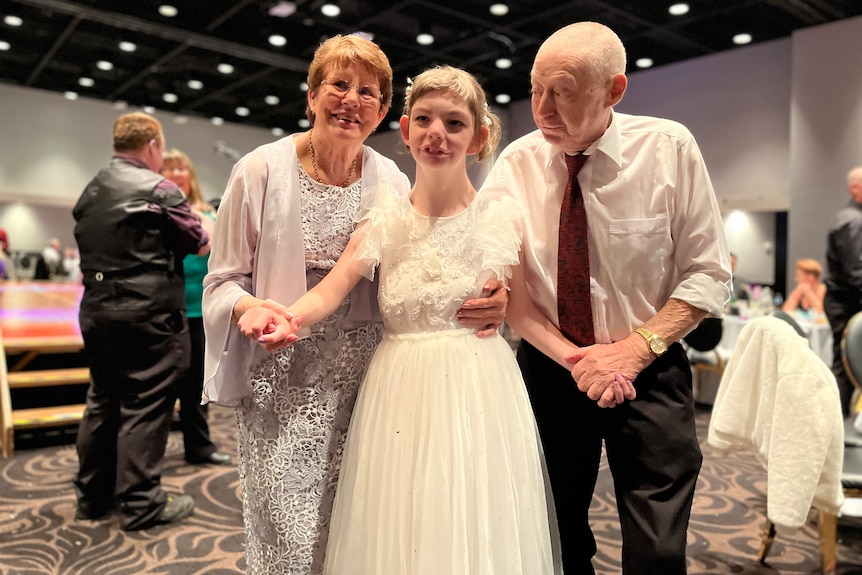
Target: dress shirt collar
(608, 144)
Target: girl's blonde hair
(468, 90)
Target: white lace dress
(442, 468)
(292, 429)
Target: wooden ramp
(37, 319)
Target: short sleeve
(499, 231)
(380, 212)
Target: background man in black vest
(844, 278)
(133, 229)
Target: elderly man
(844, 280)
(133, 229)
(624, 248)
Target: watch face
(657, 345)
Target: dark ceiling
(58, 42)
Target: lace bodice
(327, 219)
(429, 266)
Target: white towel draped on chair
(779, 398)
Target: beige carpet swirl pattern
(39, 535)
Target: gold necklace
(314, 164)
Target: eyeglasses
(368, 94)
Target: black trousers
(839, 310)
(135, 367)
(653, 455)
(193, 416)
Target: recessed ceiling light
(242, 111)
(70, 95)
(149, 109)
(678, 9)
(225, 68)
(303, 87)
(330, 9)
(86, 82)
(272, 100)
(282, 9)
(278, 131)
(394, 125)
(503, 98)
(304, 123)
(643, 62)
(217, 121)
(424, 39)
(104, 65)
(503, 63)
(13, 20)
(499, 9)
(168, 11)
(195, 84)
(5, 45)
(128, 46)
(277, 40)
(169, 98)
(742, 39)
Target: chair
(780, 399)
(783, 315)
(702, 350)
(851, 471)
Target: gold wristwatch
(656, 343)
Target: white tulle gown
(442, 470)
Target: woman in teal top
(199, 448)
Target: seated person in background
(49, 263)
(809, 291)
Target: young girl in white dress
(442, 471)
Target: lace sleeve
(380, 211)
(499, 226)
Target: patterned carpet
(39, 536)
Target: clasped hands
(271, 325)
(605, 372)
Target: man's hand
(605, 371)
(486, 312)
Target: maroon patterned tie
(573, 260)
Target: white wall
(751, 236)
(736, 105)
(51, 147)
(826, 131)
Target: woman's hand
(487, 312)
(271, 325)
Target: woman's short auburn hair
(810, 266)
(342, 52)
(134, 131)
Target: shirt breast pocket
(640, 251)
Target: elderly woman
(809, 291)
(285, 218)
